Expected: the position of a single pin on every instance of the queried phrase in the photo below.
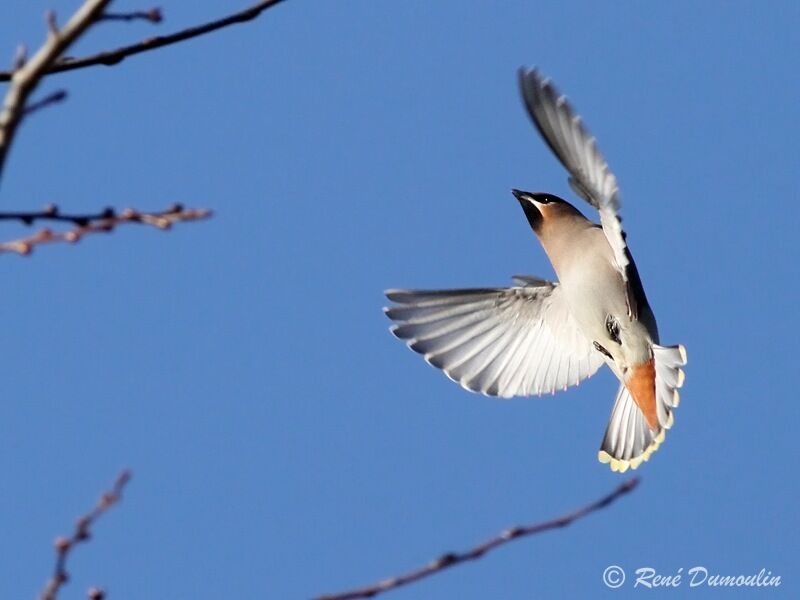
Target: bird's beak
(520, 195)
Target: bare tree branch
(113, 57)
(25, 78)
(454, 558)
(102, 222)
(82, 533)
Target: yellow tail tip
(620, 465)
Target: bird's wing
(629, 440)
(574, 146)
(515, 341)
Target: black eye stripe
(538, 197)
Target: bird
(541, 336)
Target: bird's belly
(593, 290)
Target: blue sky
(283, 443)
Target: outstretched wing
(515, 341)
(590, 176)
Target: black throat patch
(533, 214)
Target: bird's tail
(629, 439)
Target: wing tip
(392, 294)
(525, 71)
(533, 84)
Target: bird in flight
(541, 336)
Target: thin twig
(25, 79)
(153, 16)
(52, 98)
(451, 559)
(113, 57)
(82, 533)
(51, 212)
(102, 222)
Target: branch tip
(103, 222)
(153, 15)
(64, 546)
(53, 98)
(20, 57)
(96, 594)
(50, 20)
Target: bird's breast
(593, 289)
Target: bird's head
(539, 206)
